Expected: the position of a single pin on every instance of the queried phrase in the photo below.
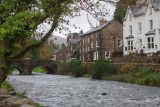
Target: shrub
(88, 67)
(64, 68)
(127, 68)
(75, 67)
(101, 68)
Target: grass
(7, 86)
(39, 70)
(142, 78)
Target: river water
(66, 91)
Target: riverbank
(9, 98)
(104, 70)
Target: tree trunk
(4, 69)
(3, 75)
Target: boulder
(14, 101)
(3, 92)
(3, 97)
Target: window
(150, 11)
(130, 16)
(88, 48)
(83, 40)
(107, 54)
(95, 55)
(150, 41)
(151, 24)
(130, 29)
(88, 40)
(71, 48)
(91, 44)
(130, 45)
(119, 43)
(97, 43)
(139, 27)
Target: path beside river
(66, 91)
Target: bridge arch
(49, 69)
(26, 66)
(20, 70)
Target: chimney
(102, 21)
(81, 32)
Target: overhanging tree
(20, 19)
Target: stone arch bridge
(26, 66)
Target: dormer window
(130, 16)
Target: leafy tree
(46, 51)
(35, 53)
(20, 19)
(122, 8)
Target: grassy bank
(104, 70)
(5, 85)
(142, 78)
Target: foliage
(7, 86)
(127, 68)
(88, 67)
(64, 68)
(75, 67)
(122, 8)
(39, 70)
(46, 51)
(143, 76)
(101, 68)
(35, 53)
(18, 22)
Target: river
(66, 91)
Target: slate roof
(150, 33)
(130, 36)
(74, 41)
(97, 28)
(137, 11)
(140, 10)
(156, 4)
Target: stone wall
(137, 59)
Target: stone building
(71, 50)
(103, 41)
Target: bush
(88, 67)
(101, 68)
(128, 68)
(75, 67)
(64, 68)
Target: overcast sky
(82, 23)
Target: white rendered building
(141, 28)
